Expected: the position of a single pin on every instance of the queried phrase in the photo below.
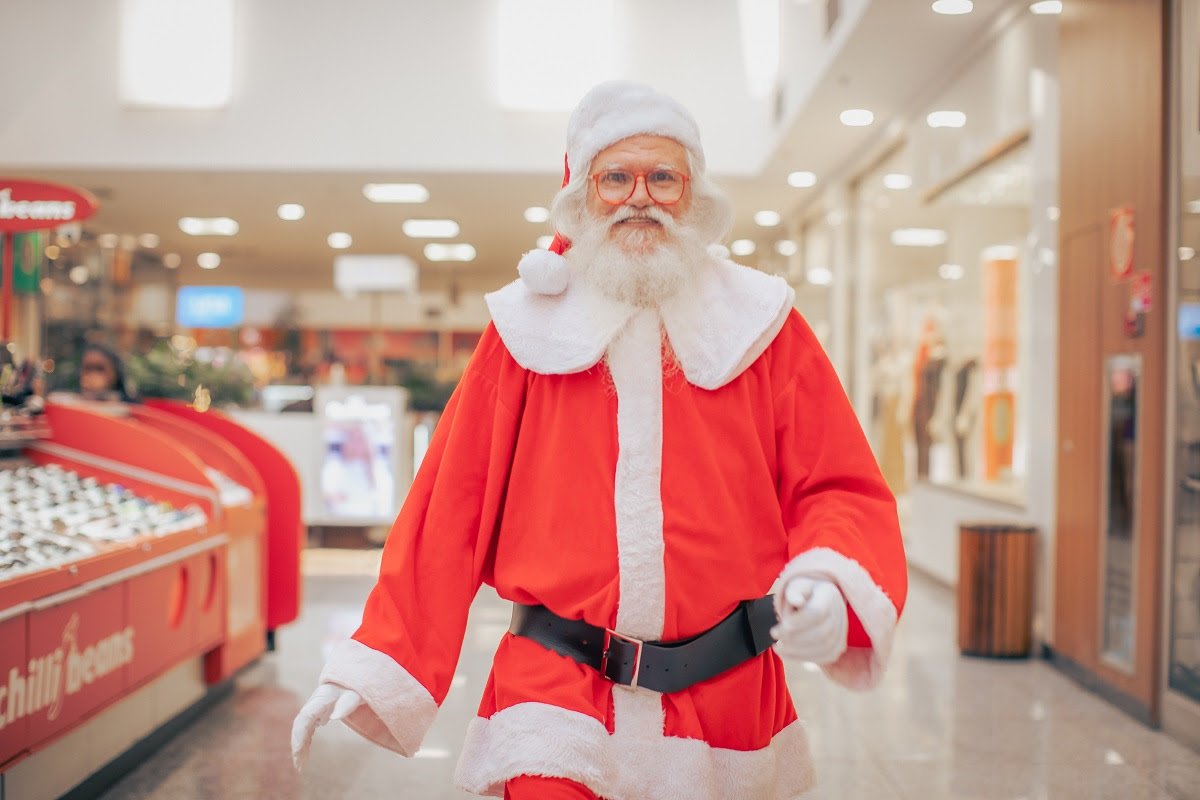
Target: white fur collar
(718, 326)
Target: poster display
(358, 477)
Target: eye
(664, 177)
(615, 177)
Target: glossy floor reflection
(940, 725)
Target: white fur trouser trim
(859, 667)
(541, 739)
(398, 709)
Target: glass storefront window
(945, 324)
(1184, 612)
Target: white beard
(642, 267)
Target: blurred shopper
(102, 375)
(647, 438)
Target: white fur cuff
(397, 711)
(859, 667)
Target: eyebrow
(614, 165)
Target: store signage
(51, 677)
(1140, 298)
(1120, 242)
(34, 205)
(210, 306)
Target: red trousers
(532, 787)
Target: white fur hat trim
(616, 110)
(544, 272)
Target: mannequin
(928, 366)
(966, 410)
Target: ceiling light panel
(537, 214)
(208, 260)
(897, 180)
(802, 180)
(767, 219)
(856, 117)
(919, 237)
(396, 193)
(450, 252)
(946, 119)
(430, 228)
(290, 212)
(339, 240)
(176, 54)
(1046, 7)
(741, 247)
(953, 7)
(208, 226)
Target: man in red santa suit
(647, 440)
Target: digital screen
(210, 306)
(1189, 320)
(357, 479)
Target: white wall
(352, 84)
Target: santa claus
(647, 440)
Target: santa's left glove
(813, 621)
(328, 702)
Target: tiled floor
(940, 726)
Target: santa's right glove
(813, 621)
(328, 702)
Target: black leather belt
(662, 666)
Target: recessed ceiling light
(396, 193)
(339, 240)
(537, 214)
(450, 252)
(1192, 207)
(208, 226)
(951, 272)
(430, 228)
(767, 219)
(1046, 7)
(171, 260)
(897, 180)
(786, 247)
(1187, 253)
(919, 237)
(820, 276)
(108, 240)
(148, 240)
(741, 247)
(544, 241)
(290, 212)
(856, 117)
(78, 274)
(952, 7)
(946, 119)
(802, 180)
(208, 260)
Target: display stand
(281, 488)
(77, 638)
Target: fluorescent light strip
(449, 252)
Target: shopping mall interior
(251, 310)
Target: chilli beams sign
(35, 205)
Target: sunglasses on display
(615, 186)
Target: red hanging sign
(35, 205)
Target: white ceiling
(896, 57)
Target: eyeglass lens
(618, 185)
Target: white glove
(813, 621)
(328, 702)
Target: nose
(641, 195)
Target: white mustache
(650, 213)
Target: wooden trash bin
(995, 589)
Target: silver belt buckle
(609, 635)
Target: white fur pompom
(719, 251)
(544, 272)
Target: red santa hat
(608, 113)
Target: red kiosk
(115, 643)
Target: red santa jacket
(572, 468)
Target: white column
(838, 220)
